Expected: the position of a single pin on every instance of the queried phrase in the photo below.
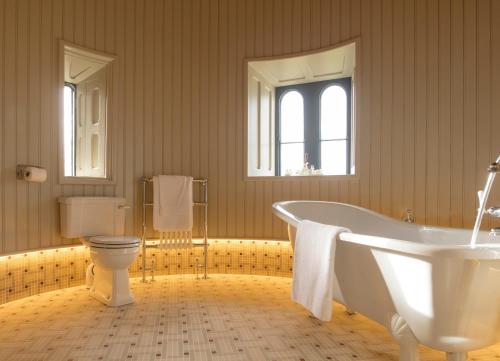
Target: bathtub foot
(456, 356)
(408, 343)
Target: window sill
(302, 178)
(86, 181)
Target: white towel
(173, 209)
(313, 267)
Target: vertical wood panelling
(56, 106)
(483, 87)
(233, 94)
(220, 124)
(386, 133)
(421, 79)
(34, 125)
(495, 91)
(21, 120)
(470, 111)
(428, 77)
(363, 167)
(46, 221)
(444, 104)
(2, 125)
(397, 124)
(9, 125)
(457, 115)
(409, 106)
(432, 120)
(129, 91)
(375, 92)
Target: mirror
(85, 119)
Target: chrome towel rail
(204, 184)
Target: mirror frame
(110, 178)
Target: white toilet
(100, 223)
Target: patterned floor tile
(224, 318)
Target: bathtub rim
(482, 251)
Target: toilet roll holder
(23, 170)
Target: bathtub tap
(494, 212)
(495, 167)
(483, 195)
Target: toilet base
(111, 287)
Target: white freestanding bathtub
(425, 284)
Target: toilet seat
(110, 242)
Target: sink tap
(495, 232)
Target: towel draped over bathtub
(173, 210)
(313, 267)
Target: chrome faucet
(494, 167)
(483, 195)
(494, 211)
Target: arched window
(334, 130)
(314, 126)
(291, 132)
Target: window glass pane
(333, 157)
(333, 113)
(292, 158)
(69, 122)
(292, 117)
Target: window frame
(67, 48)
(311, 93)
(73, 143)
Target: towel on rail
(173, 210)
(313, 267)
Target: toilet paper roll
(34, 174)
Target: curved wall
(26, 274)
(426, 111)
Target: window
(299, 112)
(313, 128)
(334, 130)
(86, 148)
(291, 131)
(69, 128)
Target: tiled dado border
(30, 273)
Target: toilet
(99, 222)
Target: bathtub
(425, 284)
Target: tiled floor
(228, 317)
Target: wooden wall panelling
(428, 74)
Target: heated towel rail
(204, 184)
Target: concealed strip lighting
(48, 251)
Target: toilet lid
(116, 241)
